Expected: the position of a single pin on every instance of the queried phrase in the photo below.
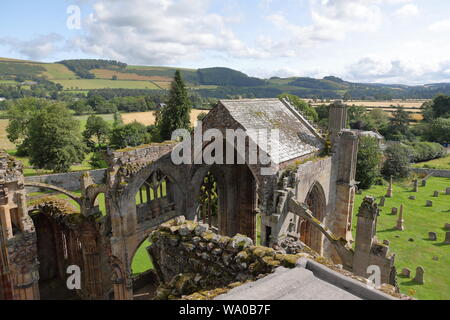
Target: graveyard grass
(419, 221)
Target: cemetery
(415, 221)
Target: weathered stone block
(406, 273)
(432, 236)
(419, 278)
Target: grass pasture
(148, 118)
(419, 220)
(91, 84)
(108, 74)
(56, 71)
(441, 164)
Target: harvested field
(4, 142)
(148, 118)
(108, 74)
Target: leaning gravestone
(386, 242)
(429, 203)
(382, 201)
(447, 191)
(447, 226)
(424, 183)
(416, 185)
(406, 273)
(394, 211)
(419, 278)
(436, 194)
(447, 238)
(432, 236)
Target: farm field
(4, 142)
(442, 164)
(91, 84)
(148, 118)
(108, 74)
(56, 71)
(408, 104)
(419, 220)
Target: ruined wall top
(10, 169)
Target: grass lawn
(141, 261)
(29, 171)
(442, 163)
(419, 220)
(83, 119)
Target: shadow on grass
(410, 283)
(442, 244)
(387, 230)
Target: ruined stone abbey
(310, 198)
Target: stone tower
(337, 117)
(19, 271)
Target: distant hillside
(83, 75)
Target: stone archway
(236, 189)
(316, 203)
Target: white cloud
(377, 69)
(440, 26)
(408, 10)
(38, 48)
(158, 31)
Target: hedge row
(425, 151)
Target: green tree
(55, 139)
(96, 134)
(129, 135)
(369, 162)
(20, 113)
(176, 114)
(398, 128)
(438, 130)
(301, 106)
(441, 106)
(398, 162)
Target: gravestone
(447, 191)
(432, 236)
(400, 220)
(447, 226)
(424, 183)
(406, 273)
(419, 278)
(416, 185)
(429, 203)
(394, 211)
(390, 191)
(412, 198)
(436, 194)
(382, 201)
(447, 238)
(386, 242)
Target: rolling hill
(90, 74)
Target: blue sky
(390, 41)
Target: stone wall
(69, 181)
(189, 258)
(434, 172)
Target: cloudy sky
(390, 41)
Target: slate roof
(297, 137)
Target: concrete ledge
(348, 284)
